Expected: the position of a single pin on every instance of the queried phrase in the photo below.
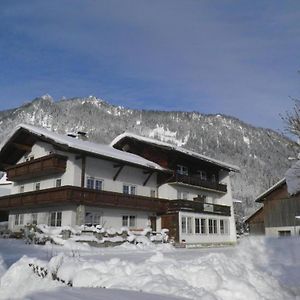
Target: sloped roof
(80, 145)
(174, 148)
(262, 196)
(254, 214)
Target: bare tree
(292, 119)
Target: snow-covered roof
(261, 197)
(4, 181)
(86, 146)
(175, 148)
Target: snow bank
(2, 267)
(241, 273)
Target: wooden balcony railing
(192, 180)
(198, 207)
(77, 195)
(46, 165)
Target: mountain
(260, 153)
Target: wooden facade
(43, 166)
(196, 181)
(78, 195)
(170, 159)
(256, 222)
(280, 209)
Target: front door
(153, 223)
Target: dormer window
(182, 170)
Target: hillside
(260, 153)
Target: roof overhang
(128, 135)
(265, 194)
(25, 136)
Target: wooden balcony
(43, 166)
(77, 195)
(198, 207)
(192, 180)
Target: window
(98, 184)
(215, 226)
(92, 218)
(182, 195)
(224, 227)
(90, 183)
(200, 226)
(197, 225)
(212, 226)
(202, 175)
(22, 189)
(152, 194)
(128, 221)
(34, 218)
(186, 225)
(55, 218)
(182, 170)
(129, 189)
(58, 182)
(19, 219)
(203, 226)
(37, 186)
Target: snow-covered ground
(258, 268)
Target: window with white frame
(128, 221)
(58, 182)
(197, 225)
(90, 182)
(37, 186)
(200, 226)
(92, 218)
(186, 225)
(182, 170)
(212, 226)
(224, 227)
(94, 183)
(182, 195)
(55, 218)
(19, 219)
(152, 193)
(98, 184)
(203, 226)
(129, 189)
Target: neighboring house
(256, 222)
(61, 180)
(280, 210)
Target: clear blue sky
(234, 57)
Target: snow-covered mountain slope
(260, 153)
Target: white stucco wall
(43, 214)
(109, 217)
(105, 170)
(274, 231)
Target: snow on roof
(271, 189)
(4, 181)
(175, 148)
(86, 146)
